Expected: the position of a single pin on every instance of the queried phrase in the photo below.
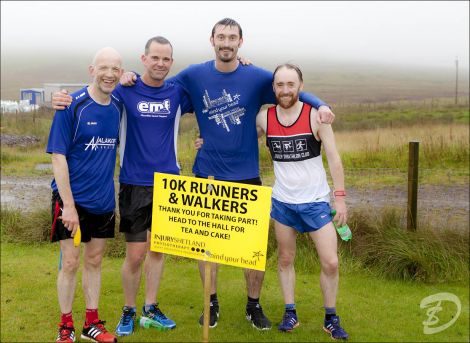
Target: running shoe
(258, 319)
(66, 333)
(334, 329)
(213, 315)
(289, 322)
(96, 332)
(125, 326)
(155, 318)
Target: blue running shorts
(305, 217)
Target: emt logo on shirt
(147, 107)
(102, 143)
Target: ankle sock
(66, 318)
(330, 312)
(290, 308)
(91, 314)
(252, 302)
(214, 301)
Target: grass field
(385, 308)
(372, 309)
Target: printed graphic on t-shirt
(224, 109)
(101, 143)
(290, 148)
(159, 109)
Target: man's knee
(134, 259)
(93, 260)
(285, 259)
(71, 264)
(330, 265)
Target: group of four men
(143, 118)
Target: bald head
(109, 54)
(105, 70)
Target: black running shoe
(214, 315)
(258, 319)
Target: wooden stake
(207, 296)
(413, 160)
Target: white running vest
(296, 154)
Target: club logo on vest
(101, 143)
(147, 107)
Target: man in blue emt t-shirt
(83, 142)
(150, 122)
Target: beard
(287, 101)
(226, 58)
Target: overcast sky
(427, 33)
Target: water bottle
(343, 231)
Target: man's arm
(325, 115)
(325, 132)
(261, 122)
(61, 176)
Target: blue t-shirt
(87, 134)
(226, 105)
(149, 129)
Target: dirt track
(451, 203)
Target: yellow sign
(209, 220)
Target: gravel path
(450, 203)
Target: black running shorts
(135, 208)
(91, 225)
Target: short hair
(289, 66)
(157, 39)
(228, 22)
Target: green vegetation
(372, 309)
(399, 114)
(381, 244)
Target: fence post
(413, 160)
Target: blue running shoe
(125, 326)
(155, 318)
(334, 329)
(289, 322)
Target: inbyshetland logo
(101, 143)
(147, 107)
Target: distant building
(51, 88)
(34, 95)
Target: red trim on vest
(300, 126)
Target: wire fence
(443, 195)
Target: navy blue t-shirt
(149, 129)
(226, 105)
(87, 134)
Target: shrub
(380, 243)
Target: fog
(349, 51)
(423, 33)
